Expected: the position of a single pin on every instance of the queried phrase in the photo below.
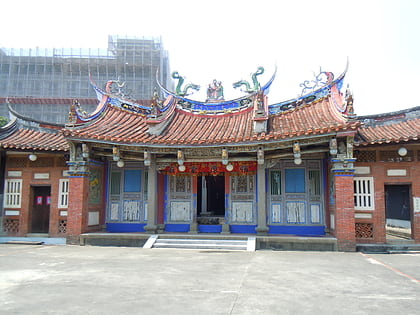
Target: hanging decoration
(211, 168)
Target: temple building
(308, 166)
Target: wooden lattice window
(363, 193)
(393, 156)
(365, 156)
(11, 225)
(13, 193)
(63, 195)
(62, 226)
(364, 230)
(17, 162)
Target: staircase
(243, 244)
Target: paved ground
(115, 280)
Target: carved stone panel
(295, 212)
(180, 211)
(242, 212)
(131, 211)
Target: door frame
(410, 200)
(32, 205)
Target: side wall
(385, 167)
(47, 170)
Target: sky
(228, 39)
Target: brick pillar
(344, 212)
(77, 217)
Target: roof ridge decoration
(110, 97)
(322, 86)
(215, 106)
(256, 83)
(9, 128)
(184, 91)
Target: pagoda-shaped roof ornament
(215, 92)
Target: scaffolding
(64, 73)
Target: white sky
(229, 39)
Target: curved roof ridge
(389, 114)
(30, 119)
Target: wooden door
(41, 209)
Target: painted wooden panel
(114, 211)
(180, 211)
(315, 213)
(242, 212)
(145, 211)
(276, 213)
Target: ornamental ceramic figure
(215, 91)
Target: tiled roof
(30, 139)
(119, 126)
(394, 127)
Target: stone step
(199, 241)
(203, 243)
(389, 248)
(200, 246)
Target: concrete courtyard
(39, 279)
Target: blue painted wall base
(177, 227)
(125, 227)
(208, 228)
(245, 229)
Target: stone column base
(151, 229)
(225, 228)
(263, 230)
(193, 228)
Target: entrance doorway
(211, 196)
(398, 206)
(40, 221)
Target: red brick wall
(344, 213)
(78, 207)
(54, 167)
(378, 170)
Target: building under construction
(64, 73)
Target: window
(295, 180)
(13, 193)
(63, 195)
(132, 180)
(275, 183)
(363, 193)
(115, 183)
(314, 182)
(243, 184)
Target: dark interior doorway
(397, 205)
(41, 209)
(211, 196)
